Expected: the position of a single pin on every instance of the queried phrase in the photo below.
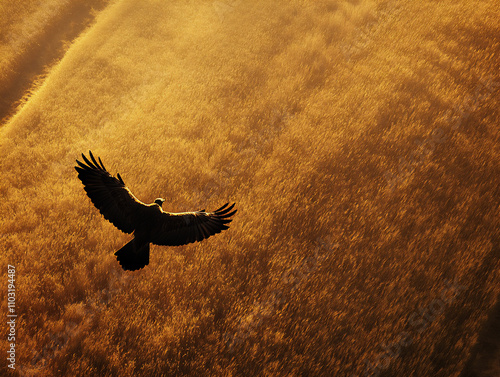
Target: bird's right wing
(109, 194)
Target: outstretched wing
(175, 229)
(109, 194)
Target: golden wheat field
(359, 140)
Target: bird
(148, 222)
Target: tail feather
(133, 256)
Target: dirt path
(31, 67)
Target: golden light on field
(359, 140)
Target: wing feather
(109, 194)
(175, 229)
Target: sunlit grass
(33, 36)
(359, 141)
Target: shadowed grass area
(360, 142)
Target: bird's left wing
(109, 194)
(173, 229)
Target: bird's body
(148, 222)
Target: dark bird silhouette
(148, 222)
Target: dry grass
(360, 141)
(33, 36)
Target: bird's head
(159, 201)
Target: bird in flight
(148, 222)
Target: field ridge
(31, 63)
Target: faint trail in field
(31, 67)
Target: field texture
(358, 138)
